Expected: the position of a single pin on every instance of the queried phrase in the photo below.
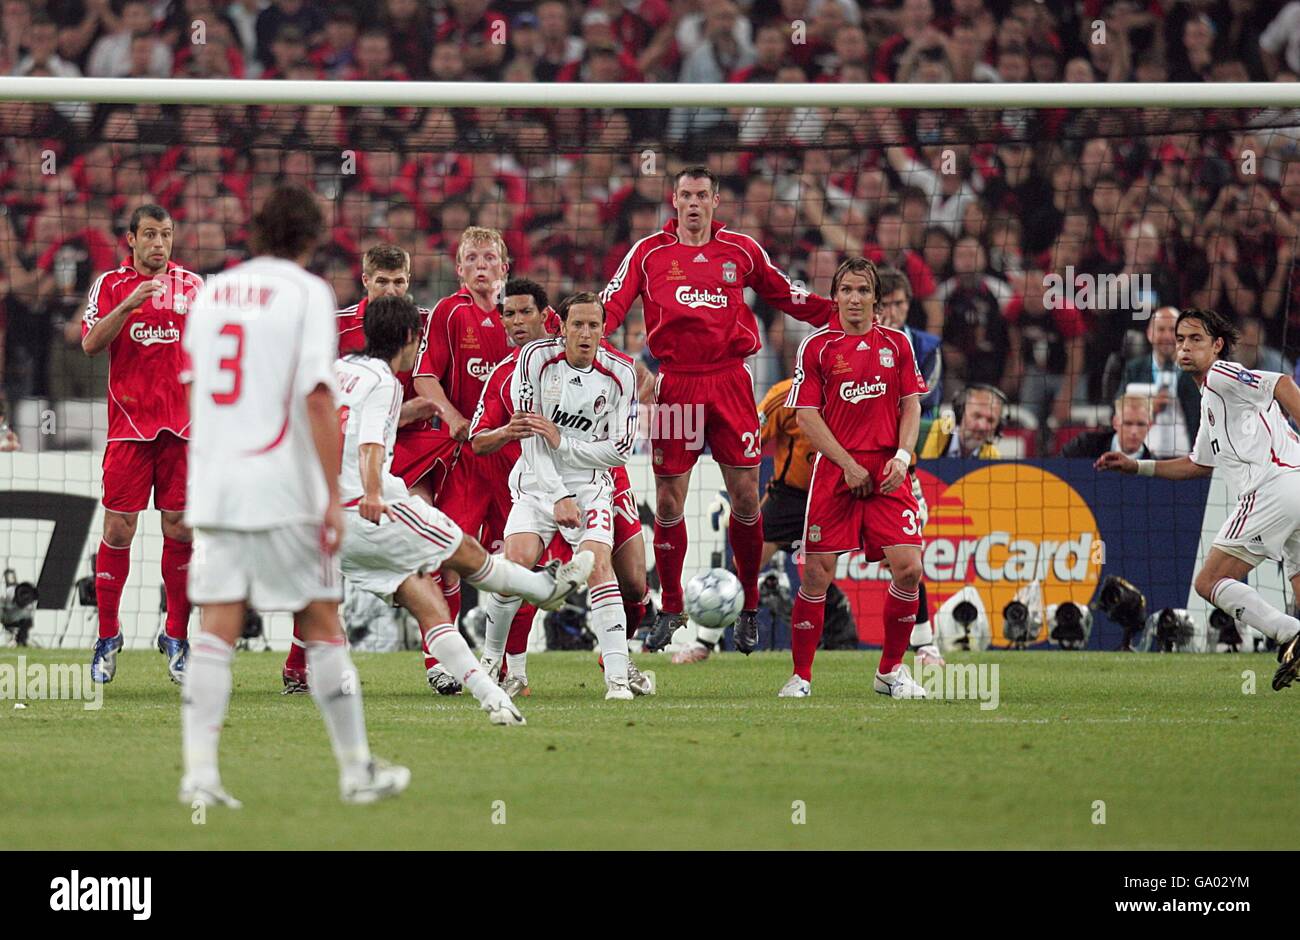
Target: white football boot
(641, 683)
(927, 655)
(378, 780)
(516, 684)
(491, 666)
(619, 691)
(501, 710)
(209, 794)
(797, 687)
(898, 683)
(569, 577)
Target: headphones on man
(959, 403)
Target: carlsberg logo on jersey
(478, 368)
(148, 335)
(854, 393)
(694, 297)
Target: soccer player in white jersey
(263, 492)
(1245, 433)
(576, 401)
(391, 536)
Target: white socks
(500, 611)
(922, 635)
(337, 690)
(502, 576)
(517, 664)
(609, 623)
(204, 699)
(1243, 602)
(445, 644)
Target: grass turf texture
(1181, 757)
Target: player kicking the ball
(391, 536)
(1244, 432)
(576, 418)
(858, 392)
(137, 312)
(264, 492)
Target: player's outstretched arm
(1179, 468)
(371, 465)
(823, 441)
(415, 409)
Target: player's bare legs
(745, 532)
(420, 596)
(1219, 582)
(807, 618)
(670, 556)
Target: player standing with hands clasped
(858, 394)
(1243, 431)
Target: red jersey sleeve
(435, 349)
(775, 287)
(494, 407)
(99, 303)
(808, 388)
(910, 379)
(623, 289)
(351, 340)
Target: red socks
(452, 596)
(520, 627)
(635, 613)
(900, 617)
(175, 572)
(806, 622)
(746, 535)
(670, 556)
(297, 658)
(112, 565)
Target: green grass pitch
(1180, 755)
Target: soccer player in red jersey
(137, 313)
(464, 339)
(385, 272)
(691, 279)
(527, 316)
(858, 394)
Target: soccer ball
(715, 598)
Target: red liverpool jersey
(496, 406)
(145, 394)
(352, 338)
(462, 342)
(694, 296)
(858, 384)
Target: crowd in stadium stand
(1201, 216)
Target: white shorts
(378, 558)
(531, 513)
(270, 569)
(1266, 525)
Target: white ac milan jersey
(1243, 429)
(370, 400)
(260, 338)
(595, 410)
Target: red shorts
(627, 515)
(476, 496)
(133, 468)
(417, 454)
(838, 521)
(695, 408)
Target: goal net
(1037, 251)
